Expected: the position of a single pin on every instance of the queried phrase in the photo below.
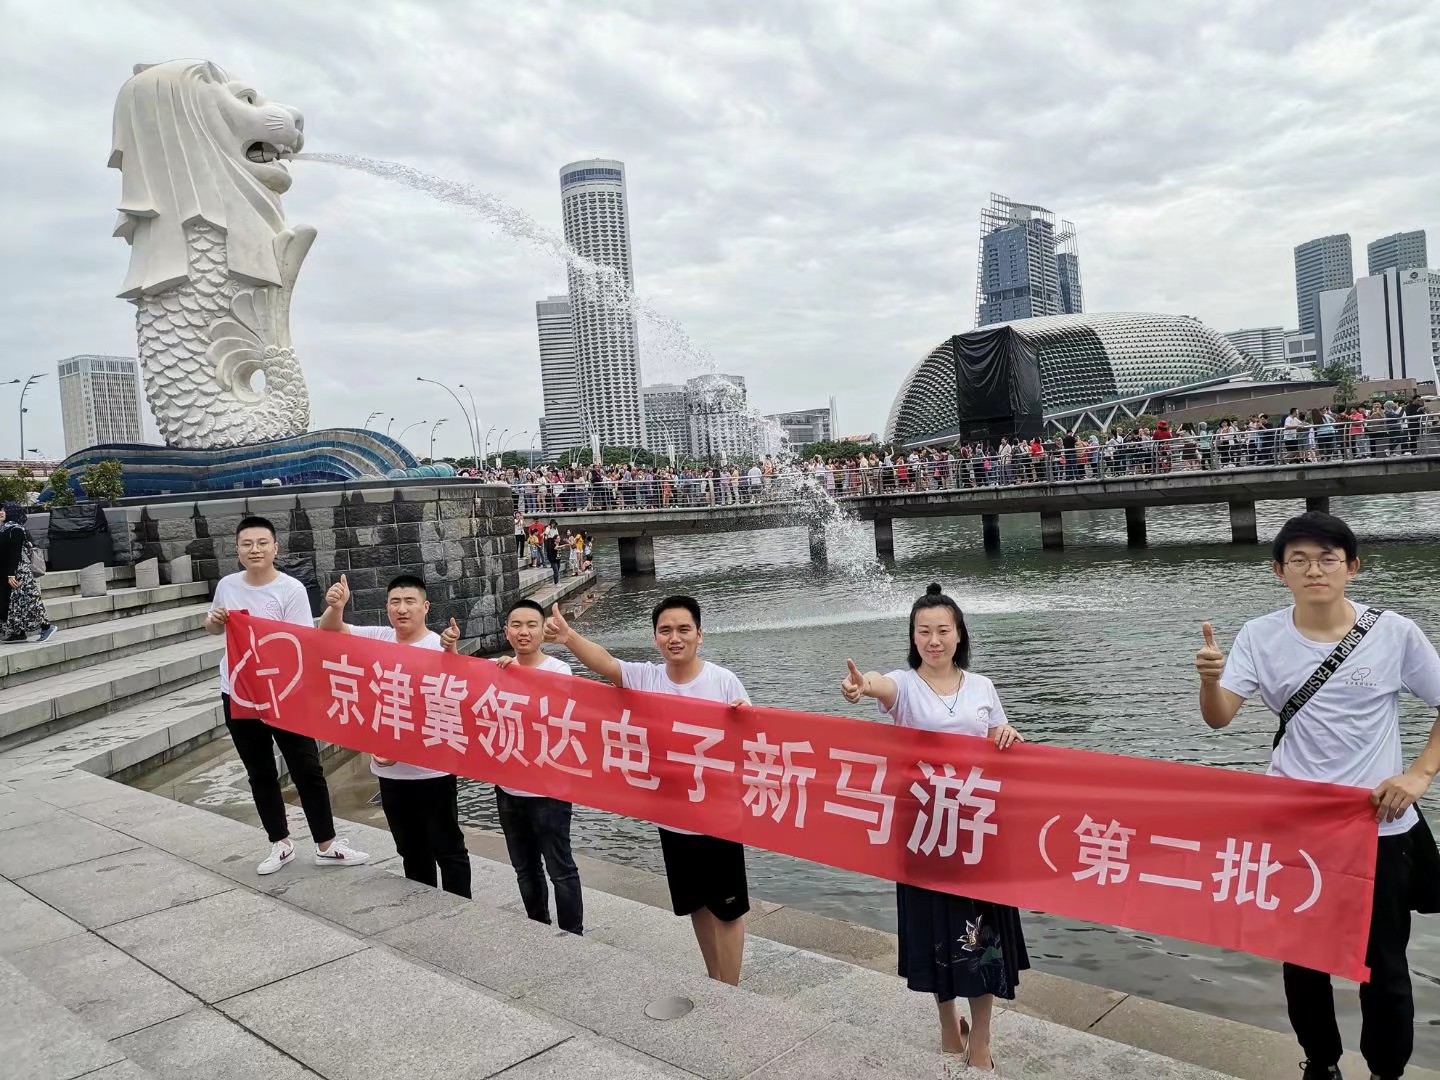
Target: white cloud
(805, 178)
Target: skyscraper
(560, 428)
(1320, 264)
(667, 421)
(1399, 251)
(1263, 343)
(597, 226)
(1029, 264)
(1386, 326)
(99, 401)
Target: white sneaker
(340, 853)
(281, 852)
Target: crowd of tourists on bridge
(1350, 432)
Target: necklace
(953, 703)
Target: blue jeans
(538, 829)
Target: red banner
(1278, 868)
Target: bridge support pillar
(817, 542)
(1320, 503)
(1135, 526)
(884, 538)
(637, 555)
(990, 527)
(1242, 523)
(1052, 530)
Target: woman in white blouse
(950, 946)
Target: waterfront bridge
(1239, 488)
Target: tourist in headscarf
(21, 609)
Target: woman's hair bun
(933, 589)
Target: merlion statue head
(193, 144)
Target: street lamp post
(387, 426)
(23, 391)
(485, 446)
(372, 416)
(401, 437)
(474, 448)
(475, 413)
(500, 441)
(432, 436)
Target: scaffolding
(1051, 250)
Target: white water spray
(667, 345)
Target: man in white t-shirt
(706, 875)
(266, 593)
(421, 805)
(536, 827)
(1346, 733)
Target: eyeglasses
(1329, 562)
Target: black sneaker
(48, 631)
(15, 639)
(1320, 1072)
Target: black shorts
(704, 872)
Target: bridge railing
(1214, 452)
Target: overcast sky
(805, 179)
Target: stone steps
(68, 611)
(125, 899)
(78, 647)
(46, 706)
(42, 1039)
(146, 921)
(59, 583)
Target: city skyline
(796, 232)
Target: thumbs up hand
(557, 630)
(854, 684)
(1209, 660)
(338, 595)
(450, 636)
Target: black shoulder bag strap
(1363, 625)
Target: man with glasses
(266, 593)
(1333, 671)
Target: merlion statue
(212, 264)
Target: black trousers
(1387, 1010)
(255, 741)
(538, 829)
(424, 819)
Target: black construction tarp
(79, 535)
(997, 385)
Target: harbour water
(1090, 647)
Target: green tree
(1128, 424)
(830, 450)
(1334, 371)
(60, 492)
(18, 488)
(104, 480)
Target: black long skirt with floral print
(27, 611)
(955, 947)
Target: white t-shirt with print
(1349, 731)
(282, 600)
(400, 770)
(560, 667)
(714, 683)
(977, 708)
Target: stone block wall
(458, 537)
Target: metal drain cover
(669, 1008)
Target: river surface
(1090, 647)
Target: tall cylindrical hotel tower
(597, 226)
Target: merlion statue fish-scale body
(212, 265)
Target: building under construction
(1029, 264)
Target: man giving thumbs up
(420, 804)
